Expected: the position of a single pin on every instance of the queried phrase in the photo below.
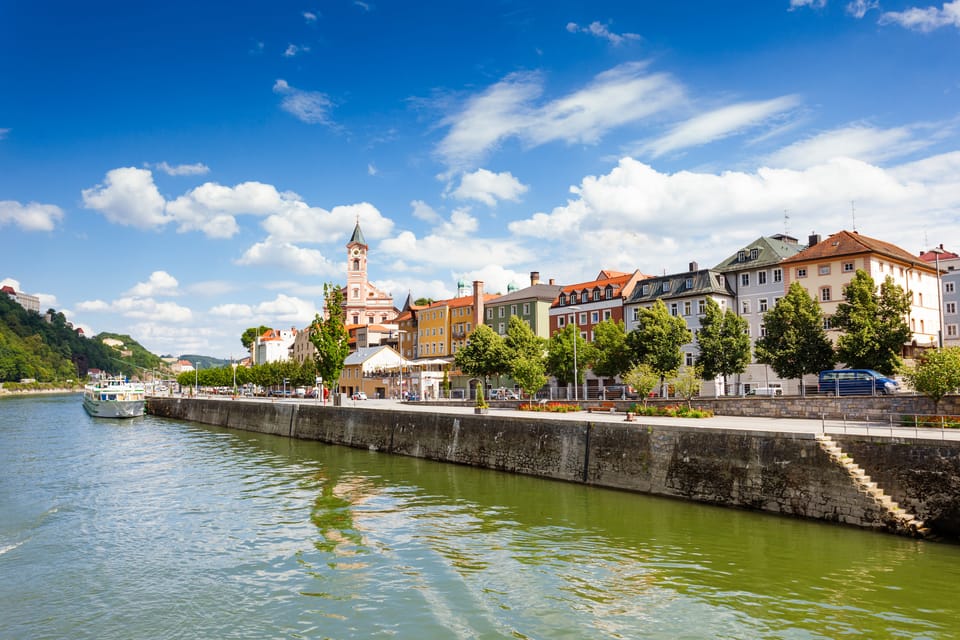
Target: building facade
(531, 304)
(363, 302)
(587, 304)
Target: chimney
(813, 239)
(694, 266)
(534, 278)
(552, 281)
(477, 303)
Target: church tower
(363, 302)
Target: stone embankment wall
(780, 473)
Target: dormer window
(754, 253)
(689, 284)
(742, 255)
(666, 286)
(608, 293)
(645, 290)
(563, 299)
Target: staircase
(901, 521)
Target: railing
(893, 425)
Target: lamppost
(196, 378)
(400, 333)
(936, 252)
(576, 334)
(233, 365)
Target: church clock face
(356, 251)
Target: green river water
(151, 528)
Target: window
(825, 294)
(689, 283)
(763, 331)
(921, 298)
(754, 253)
(778, 275)
(824, 269)
(499, 312)
(608, 292)
(742, 255)
(356, 292)
(847, 267)
(701, 307)
(513, 309)
(744, 279)
(801, 272)
(666, 286)
(594, 317)
(948, 287)
(526, 308)
(561, 321)
(762, 305)
(563, 299)
(744, 306)
(687, 307)
(596, 294)
(761, 277)
(490, 313)
(583, 318)
(673, 308)
(645, 289)
(688, 359)
(951, 307)
(951, 331)
(607, 315)
(500, 328)
(826, 323)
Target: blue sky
(180, 171)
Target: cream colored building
(826, 266)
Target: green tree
(643, 379)
(658, 338)
(687, 382)
(249, 336)
(723, 342)
(484, 355)
(423, 302)
(874, 324)
(611, 355)
(936, 375)
(560, 355)
(795, 342)
(330, 337)
(526, 354)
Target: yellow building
(445, 326)
(826, 266)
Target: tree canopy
(723, 342)
(249, 336)
(658, 338)
(526, 356)
(484, 355)
(936, 374)
(611, 356)
(795, 342)
(874, 324)
(330, 337)
(560, 355)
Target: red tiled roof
(847, 243)
(932, 256)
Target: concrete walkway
(774, 425)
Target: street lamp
(936, 252)
(576, 334)
(400, 349)
(196, 378)
(233, 364)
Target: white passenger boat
(114, 398)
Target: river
(151, 528)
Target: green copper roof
(357, 235)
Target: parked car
(359, 395)
(620, 392)
(852, 382)
(503, 393)
(766, 391)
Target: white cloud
(285, 308)
(862, 142)
(160, 283)
(718, 124)
(32, 216)
(813, 4)
(311, 107)
(3, 133)
(197, 169)
(96, 306)
(371, 169)
(859, 8)
(128, 197)
(488, 187)
(140, 308)
(665, 220)
(926, 19)
(10, 282)
(505, 110)
(232, 311)
(600, 30)
(289, 256)
(309, 16)
(212, 288)
(363, 5)
(211, 207)
(293, 50)
(300, 223)
(423, 211)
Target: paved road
(779, 425)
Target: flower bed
(552, 407)
(672, 411)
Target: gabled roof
(621, 283)
(362, 355)
(940, 254)
(682, 285)
(769, 250)
(542, 292)
(462, 301)
(850, 243)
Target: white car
(359, 395)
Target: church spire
(357, 234)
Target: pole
(576, 335)
(939, 301)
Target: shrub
(671, 411)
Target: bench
(605, 407)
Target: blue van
(856, 382)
